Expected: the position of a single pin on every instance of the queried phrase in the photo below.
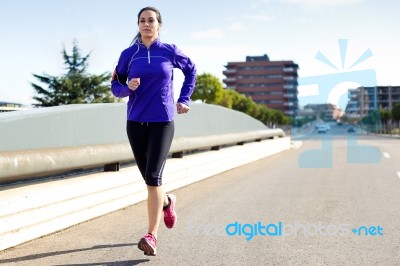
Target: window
(288, 69)
(260, 68)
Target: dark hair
(158, 16)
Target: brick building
(273, 83)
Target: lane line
(386, 155)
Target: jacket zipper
(148, 54)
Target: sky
(324, 37)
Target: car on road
(322, 129)
(351, 129)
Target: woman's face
(148, 24)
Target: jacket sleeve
(119, 86)
(188, 68)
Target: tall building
(324, 111)
(363, 100)
(272, 83)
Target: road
(306, 212)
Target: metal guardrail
(29, 164)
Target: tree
(76, 86)
(241, 103)
(227, 98)
(373, 121)
(208, 88)
(265, 115)
(396, 112)
(385, 117)
(278, 117)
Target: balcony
(230, 71)
(288, 104)
(289, 95)
(289, 87)
(230, 80)
(289, 78)
(289, 69)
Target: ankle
(154, 235)
(166, 206)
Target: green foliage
(210, 90)
(76, 86)
(372, 118)
(385, 115)
(396, 112)
(227, 98)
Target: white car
(322, 129)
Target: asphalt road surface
(333, 201)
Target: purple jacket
(153, 100)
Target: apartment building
(363, 100)
(272, 83)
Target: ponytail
(135, 39)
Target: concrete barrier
(51, 141)
(100, 124)
(31, 164)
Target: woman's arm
(119, 87)
(188, 68)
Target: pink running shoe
(148, 245)
(170, 214)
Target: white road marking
(386, 155)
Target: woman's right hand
(133, 83)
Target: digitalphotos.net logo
(280, 229)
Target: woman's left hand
(182, 108)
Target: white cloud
(237, 26)
(258, 17)
(299, 19)
(322, 3)
(208, 34)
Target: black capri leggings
(150, 143)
